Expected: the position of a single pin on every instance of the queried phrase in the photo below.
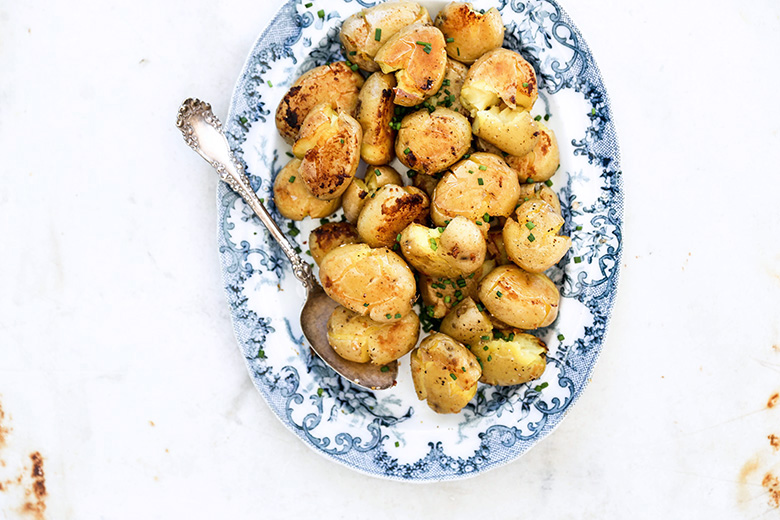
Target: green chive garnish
(378, 34)
(321, 13)
(486, 217)
(309, 4)
(450, 39)
(389, 316)
(538, 118)
(561, 337)
(354, 67)
(433, 243)
(398, 316)
(482, 167)
(531, 237)
(548, 182)
(292, 178)
(490, 358)
(243, 120)
(485, 338)
(386, 369)
(530, 225)
(499, 294)
(539, 388)
(577, 259)
(378, 173)
(463, 368)
(398, 237)
(406, 150)
(320, 391)
(447, 299)
(453, 376)
(289, 154)
(578, 228)
(396, 442)
(525, 85)
(342, 141)
(547, 117)
(480, 181)
(461, 282)
(593, 111)
(352, 53)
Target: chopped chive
(422, 43)
(482, 167)
(440, 229)
(354, 67)
(461, 282)
(485, 338)
(309, 4)
(352, 53)
(294, 232)
(525, 85)
(298, 250)
(490, 358)
(480, 181)
(427, 50)
(577, 259)
(511, 336)
(262, 201)
(377, 172)
(386, 369)
(531, 237)
(439, 295)
(269, 83)
(471, 171)
(593, 111)
(499, 294)
(378, 34)
(453, 376)
(486, 217)
(243, 120)
(538, 118)
(480, 307)
(479, 222)
(458, 49)
(529, 180)
(450, 39)
(446, 83)
(530, 225)
(320, 391)
(342, 141)
(539, 388)
(467, 156)
(547, 117)
(396, 442)
(578, 228)
(463, 368)
(458, 293)
(289, 154)
(365, 305)
(321, 13)
(406, 150)
(548, 182)
(447, 299)
(292, 178)
(561, 337)
(433, 243)
(398, 237)
(389, 316)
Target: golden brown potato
(539, 190)
(388, 211)
(496, 248)
(519, 299)
(481, 185)
(440, 295)
(449, 93)
(330, 236)
(542, 161)
(360, 339)
(360, 190)
(416, 54)
(371, 282)
(430, 142)
(470, 33)
(335, 83)
(456, 250)
(293, 199)
(374, 112)
(359, 31)
(532, 241)
(328, 145)
(427, 183)
(468, 323)
(511, 360)
(512, 131)
(445, 373)
(499, 76)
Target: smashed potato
(468, 323)
(445, 373)
(388, 211)
(542, 161)
(430, 142)
(532, 241)
(470, 33)
(519, 299)
(512, 131)
(360, 190)
(293, 199)
(449, 93)
(440, 294)
(511, 360)
(499, 76)
(330, 236)
(371, 282)
(360, 339)
(374, 112)
(456, 250)
(539, 190)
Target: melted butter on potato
(511, 360)
(293, 199)
(542, 161)
(481, 185)
(500, 75)
(335, 83)
(329, 236)
(512, 131)
(445, 373)
(532, 241)
(371, 282)
(518, 298)
(468, 323)
(457, 250)
(388, 211)
(473, 33)
(360, 190)
(419, 67)
(360, 339)
(430, 142)
(328, 145)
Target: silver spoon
(203, 132)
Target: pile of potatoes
(473, 234)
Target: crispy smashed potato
(470, 33)
(335, 83)
(360, 339)
(371, 282)
(468, 323)
(532, 241)
(416, 54)
(449, 93)
(360, 190)
(456, 250)
(542, 161)
(430, 142)
(388, 211)
(330, 236)
(445, 373)
(374, 112)
(511, 359)
(440, 294)
(512, 131)
(519, 299)
(539, 190)
(499, 76)
(293, 199)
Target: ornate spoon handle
(202, 130)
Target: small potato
(440, 295)
(532, 241)
(496, 248)
(371, 282)
(457, 250)
(473, 33)
(293, 199)
(468, 323)
(419, 67)
(360, 190)
(329, 146)
(499, 76)
(542, 161)
(519, 299)
(511, 360)
(449, 93)
(330, 236)
(444, 373)
(335, 83)
(512, 131)
(360, 339)
(481, 185)
(539, 190)
(388, 211)
(374, 112)
(430, 142)
(359, 31)
(427, 183)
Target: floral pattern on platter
(391, 434)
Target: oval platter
(390, 434)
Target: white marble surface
(117, 357)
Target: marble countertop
(122, 392)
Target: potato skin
(473, 33)
(459, 248)
(361, 339)
(389, 211)
(498, 76)
(528, 300)
(468, 324)
(328, 145)
(539, 190)
(360, 190)
(445, 373)
(419, 74)
(546, 248)
(374, 112)
(358, 32)
(430, 142)
(459, 191)
(440, 294)
(293, 199)
(512, 131)
(542, 161)
(335, 83)
(511, 362)
(449, 93)
(371, 282)
(330, 236)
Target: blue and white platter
(390, 434)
